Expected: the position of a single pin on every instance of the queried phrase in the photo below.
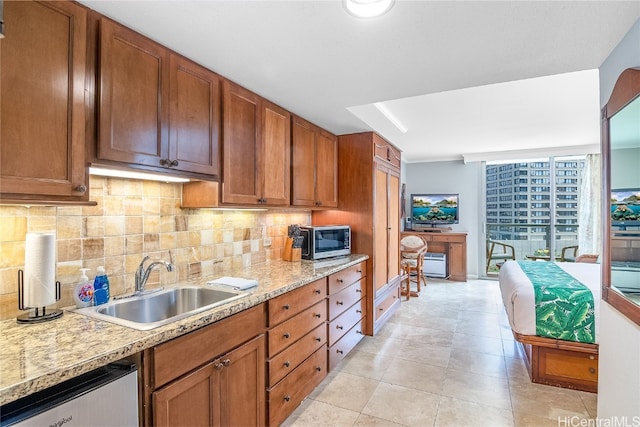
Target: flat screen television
(434, 209)
(625, 207)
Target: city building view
(532, 209)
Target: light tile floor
(446, 358)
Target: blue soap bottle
(101, 287)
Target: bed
(568, 359)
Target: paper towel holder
(39, 314)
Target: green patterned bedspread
(564, 306)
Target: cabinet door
(42, 112)
(241, 130)
(274, 155)
(303, 158)
(134, 95)
(243, 385)
(228, 391)
(326, 170)
(194, 121)
(381, 230)
(188, 401)
(394, 226)
(457, 261)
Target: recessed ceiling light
(368, 8)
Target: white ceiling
(461, 76)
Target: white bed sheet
(519, 299)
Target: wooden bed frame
(561, 363)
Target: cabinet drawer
(342, 279)
(343, 323)
(556, 366)
(181, 355)
(339, 350)
(387, 300)
(290, 358)
(449, 238)
(340, 301)
(288, 305)
(291, 391)
(295, 328)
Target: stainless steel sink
(160, 308)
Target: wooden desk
(453, 245)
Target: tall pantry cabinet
(369, 200)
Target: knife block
(290, 253)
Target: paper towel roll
(40, 270)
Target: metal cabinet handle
(226, 362)
(339, 327)
(287, 364)
(286, 335)
(286, 307)
(359, 311)
(339, 302)
(359, 290)
(80, 188)
(358, 271)
(317, 291)
(318, 315)
(318, 368)
(359, 332)
(339, 351)
(287, 398)
(318, 339)
(340, 281)
(169, 162)
(592, 370)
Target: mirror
(621, 210)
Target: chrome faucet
(142, 274)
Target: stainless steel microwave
(325, 241)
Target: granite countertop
(36, 356)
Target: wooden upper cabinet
(43, 57)
(134, 97)
(255, 151)
(157, 109)
(194, 121)
(327, 170)
(314, 165)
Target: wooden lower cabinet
(229, 391)
(347, 311)
(285, 396)
(339, 350)
(214, 376)
(453, 245)
(297, 347)
(387, 303)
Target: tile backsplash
(133, 219)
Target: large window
(536, 213)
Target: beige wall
(132, 219)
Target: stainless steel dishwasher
(107, 396)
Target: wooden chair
(499, 251)
(412, 250)
(569, 254)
